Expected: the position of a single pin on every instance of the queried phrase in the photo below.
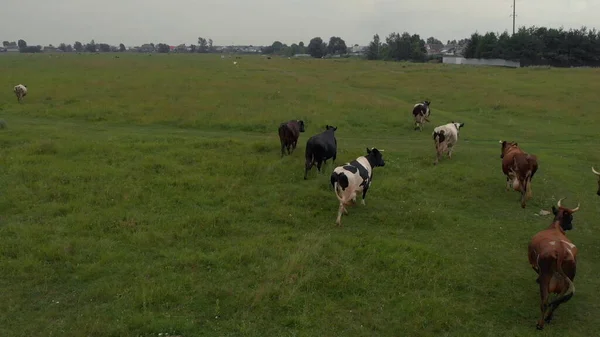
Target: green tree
(91, 47)
(374, 50)
(202, 45)
(317, 48)
(62, 47)
(122, 47)
(336, 46)
(22, 44)
(78, 46)
(163, 48)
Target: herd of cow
(551, 254)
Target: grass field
(146, 195)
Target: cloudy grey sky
(260, 22)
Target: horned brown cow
(519, 168)
(554, 258)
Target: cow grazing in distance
(598, 174)
(554, 258)
(421, 112)
(445, 138)
(289, 133)
(354, 177)
(519, 168)
(319, 148)
(20, 91)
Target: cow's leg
(319, 164)
(364, 192)
(308, 165)
(544, 283)
(529, 192)
(341, 209)
(282, 147)
(564, 296)
(524, 187)
(508, 181)
(450, 147)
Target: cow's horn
(381, 150)
(500, 142)
(559, 200)
(575, 209)
(595, 172)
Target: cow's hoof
(539, 327)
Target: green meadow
(146, 196)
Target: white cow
(21, 91)
(445, 137)
(354, 177)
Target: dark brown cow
(598, 174)
(519, 168)
(289, 133)
(554, 258)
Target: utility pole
(514, 15)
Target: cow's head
(598, 174)
(330, 127)
(376, 158)
(301, 125)
(564, 215)
(427, 102)
(504, 146)
(458, 125)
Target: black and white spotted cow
(421, 112)
(21, 91)
(355, 177)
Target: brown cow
(519, 168)
(598, 174)
(289, 133)
(554, 258)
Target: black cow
(319, 148)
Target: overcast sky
(260, 22)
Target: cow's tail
(336, 181)
(566, 294)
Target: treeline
(407, 47)
(316, 48)
(539, 46)
(77, 46)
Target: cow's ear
(368, 151)
(462, 124)
(327, 127)
(554, 210)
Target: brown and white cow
(421, 112)
(598, 174)
(445, 137)
(519, 168)
(20, 91)
(554, 258)
(289, 133)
